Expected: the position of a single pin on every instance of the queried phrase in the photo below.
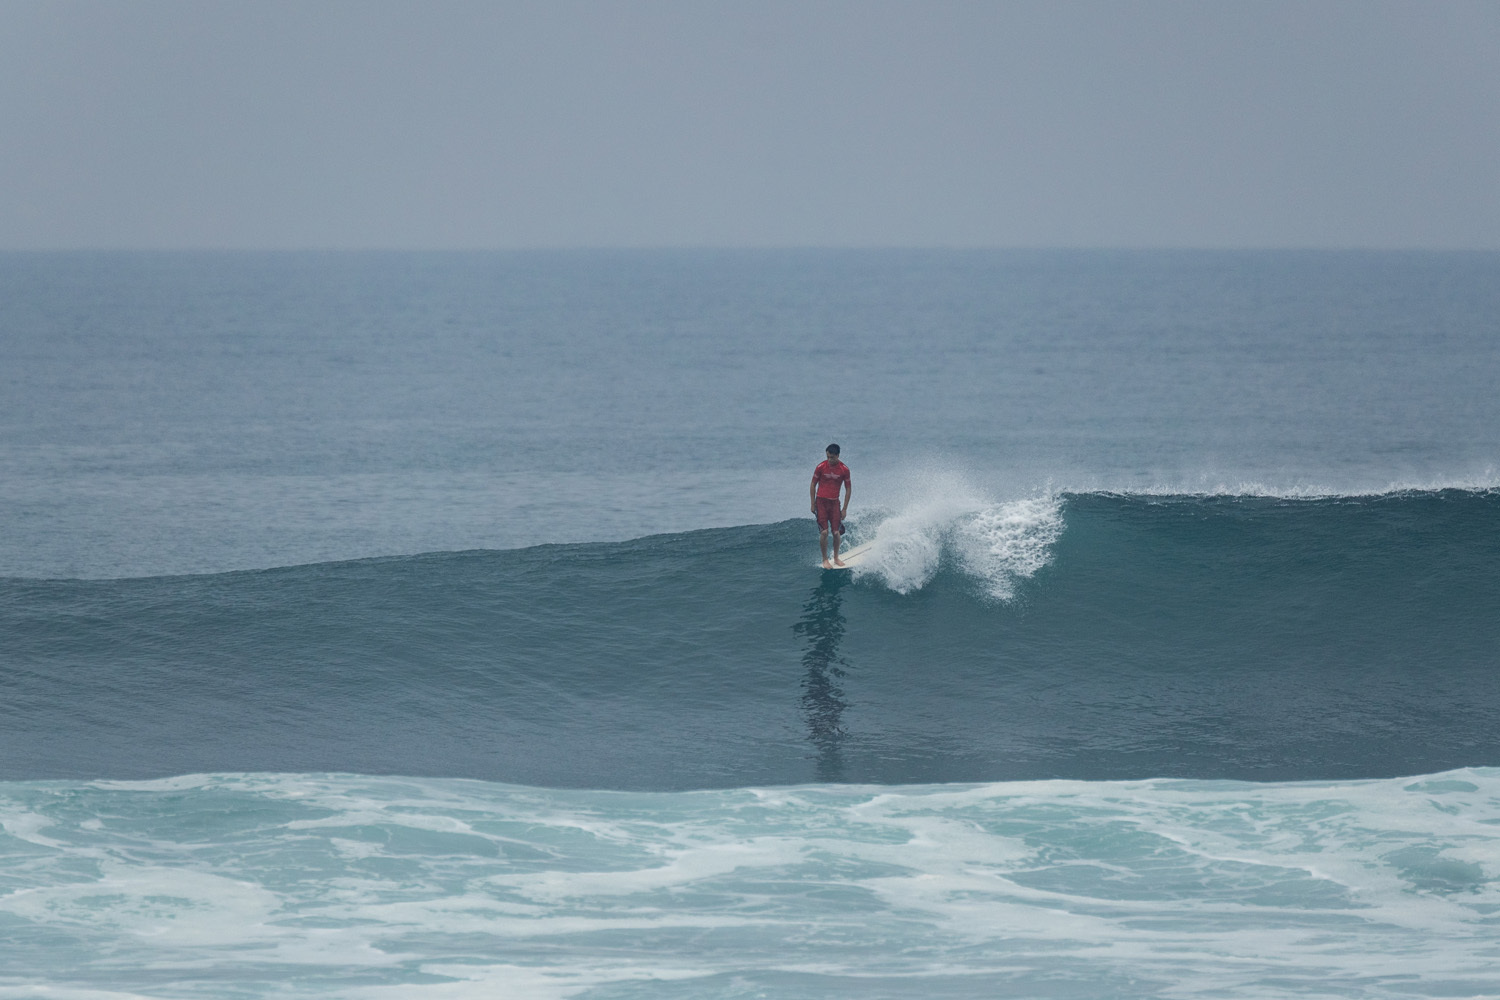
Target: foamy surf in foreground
(340, 885)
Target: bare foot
(837, 561)
(827, 564)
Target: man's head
(832, 451)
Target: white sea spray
(941, 517)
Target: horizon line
(760, 248)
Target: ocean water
(451, 625)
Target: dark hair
(833, 449)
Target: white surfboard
(851, 557)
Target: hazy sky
(489, 124)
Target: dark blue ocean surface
(186, 413)
(1140, 514)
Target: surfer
(824, 494)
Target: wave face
(349, 886)
(1085, 636)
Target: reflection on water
(823, 704)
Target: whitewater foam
(347, 885)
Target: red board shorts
(828, 515)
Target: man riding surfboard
(824, 494)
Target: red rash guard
(829, 476)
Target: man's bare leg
(838, 539)
(823, 547)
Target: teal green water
(1084, 637)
